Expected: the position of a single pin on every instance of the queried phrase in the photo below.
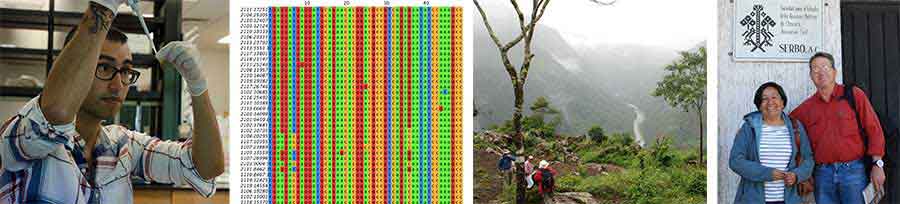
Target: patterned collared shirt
(43, 163)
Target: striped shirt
(43, 163)
(775, 152)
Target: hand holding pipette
(136, 8)
(184, 57)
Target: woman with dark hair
(770, 153)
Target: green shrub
(618, 149)
(657, 174)
(650, 185)
(596, 133)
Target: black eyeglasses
(107, 72)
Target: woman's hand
(790, 178)
(777, 175)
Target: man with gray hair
(843, 129)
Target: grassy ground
(655, 174)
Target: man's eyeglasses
(821, 68)
(107, 72)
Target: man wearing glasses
(55, 149)
(836, 135)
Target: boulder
(572, 198)
(592, 169)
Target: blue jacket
(505, 162)
(745, 161)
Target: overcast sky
(667, 23)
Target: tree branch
(543, 8)
(519, 14)
(514, 42)
(510, 69)
(494, 38)
(538, 9)
(504, 56)
(604, 3)
(488, 25)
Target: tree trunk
(700, 119)
(517, 78)
(519, 140)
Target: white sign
(774, 30)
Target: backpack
(505, 163)
(851, 99)
(547, 180)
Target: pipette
(137, 11)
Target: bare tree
(518, 77)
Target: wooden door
(870, 35)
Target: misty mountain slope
(588, 84)
(569, 94)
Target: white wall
(738, 82)
(215, 66)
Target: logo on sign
(758, 25)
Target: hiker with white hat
(544, 177)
